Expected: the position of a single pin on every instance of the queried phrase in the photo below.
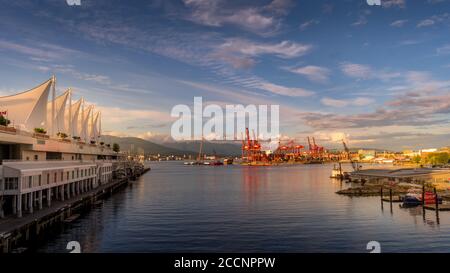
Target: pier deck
(12, 222)
(442, 207)
(395, 199)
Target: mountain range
(134, 144)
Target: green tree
(438, 158)
(116, 147)
(4, 121)
(442, 158)
(416, 159)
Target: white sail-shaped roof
(28, 109)
(95, 128)
(73, 117)
(60, 110)
(84, 123)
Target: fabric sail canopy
(27, 109)
(60, 108)
(95, 128)
(84, 123)
(72, 118)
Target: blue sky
(377, 76)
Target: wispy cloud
(399, 23)
(360, 101)
(42, 51)
(364, 72)
(284, 90)
(240, 53)
(284, 49)
(304, 26)
(313, 73)
(444, 50)
(258, 19)
(358, 71)
(393, 3)
(435, 19)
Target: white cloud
(258, 19)
(313, 73)
(284, 49)
(121, 117)
(360, 101)
(399, 23)
(364, 72)
(39, 51)
(357, 70)
(393, 3)
(425, 23)
(285, 91)
(435, 19)
(444, 50)
(304, 26)
(240, 53)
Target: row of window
(11, 183)
(36, 180)
(106, 169)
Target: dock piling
(436, 200)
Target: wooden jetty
(441, 207)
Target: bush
(40, 131)
(4, 121)
(116, 147)
(62, 135)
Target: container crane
(355, 166)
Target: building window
(73, 174)
(30, 181)
(40, 180)
(62, 176)
(48, 178)
(11, 183)
(36, 157)
(54, 178)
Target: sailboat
(199, 160)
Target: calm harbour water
(177, 208)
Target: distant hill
(173, 148)
(133, 144)
(224, 149)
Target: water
(177, 208)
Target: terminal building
(50, 149)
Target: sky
(377, 76)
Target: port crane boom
(354, 164)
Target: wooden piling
(423, 197)
(436, 200)
(390, 195)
